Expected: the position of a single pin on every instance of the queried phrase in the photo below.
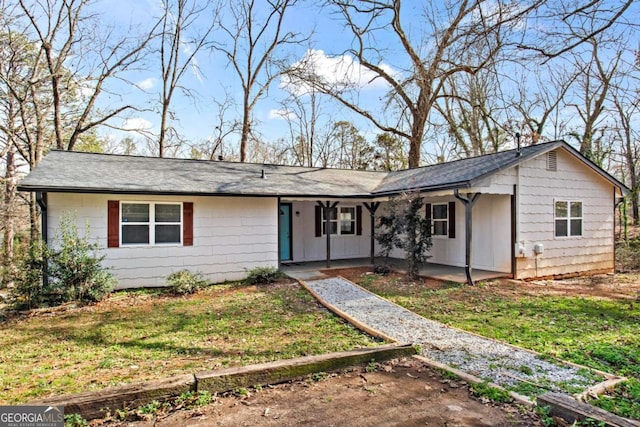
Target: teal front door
(285, 232)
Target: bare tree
(626, 106)
(473, 110)
(594, 85)
(80, 60)
(389, 154)
(353, 150)
(24, 130)
(413, 89)
(256, 38)
(303, 113)
(537, 101)
(557, 27)
(179, 45)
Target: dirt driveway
(397, 393)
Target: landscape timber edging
(287, 370)
(609, 380)
(571, 410)
(95, 404)
(344, 315)
(521, 399)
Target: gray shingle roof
(63, 171)
(100, 173)
(460, 173)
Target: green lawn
(581, 326)
(142, 335)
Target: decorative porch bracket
(326, 208)
(372, 208)
(468, 201)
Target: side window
(568, 218)
(135, 223)
(440, 219)
(347, 220)
(151, 223)
(333, 221)
(343, 220)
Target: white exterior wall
(573, 181)
(308, 247)
(230, 236)
(491, 239)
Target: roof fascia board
(190, 194)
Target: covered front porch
(314, 270)
(305, 245)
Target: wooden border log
(565, 407)
(93, 404)
(287, 370)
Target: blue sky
(215, 80)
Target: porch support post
(372, 208)
(468, 201)
(279, 231)
(327, 207)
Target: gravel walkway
(484, 358)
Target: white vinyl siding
(308, 247)
(539, 189)
(231, 236)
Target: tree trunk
(9, 209)
(246, 129)
(415, 142)
(34, 218)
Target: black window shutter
(427, 216)
(318, 221)
(359, 220)
(452, 220)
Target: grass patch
(142, 335)
(492, 393)
(599, 331)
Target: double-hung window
(568, 218)
(440, 219)
(151, 223)
(342, 220)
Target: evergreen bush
(405, 227)
(186, 282)
(262, 275)
(74, 271)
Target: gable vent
(552, 161)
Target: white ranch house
(541, 211)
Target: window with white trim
(568, 218)
(150, 223)
(440, 219)
(342, 221)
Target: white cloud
(337, 71)
(146, 84)
(280, 114)
(137, 124)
